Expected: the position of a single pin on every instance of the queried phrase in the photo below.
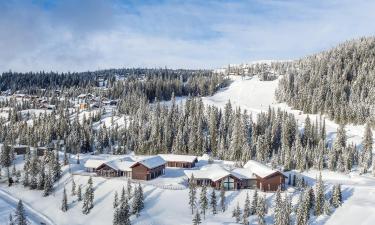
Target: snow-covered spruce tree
(261, 210)
(79, 193)
(319, 196)
(11, 221)
(115, 200)
(367, 149)
(6, 158)
(73, 192)
(236, 213)
(336, 198)
(222, 198)
(123, 194)
(326, 208)
(41, 179)
(48, 185)
(192, 193)
(88, 198)
(213, 202)
(138, 203)
(254, 203)
(246, 210)
(287, 206)
(20, 217)
(129, 188)
(64, 203)
(203, 201)
(122, 214)
(197, 218)
(279, 208)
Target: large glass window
(228, 183)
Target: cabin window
(228, 183)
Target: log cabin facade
(149, 168)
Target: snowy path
(8, 204)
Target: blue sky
(84, 35)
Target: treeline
(339, 82)
(164, 84)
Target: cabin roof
(260, 169)
(150, 162)
(178, 158)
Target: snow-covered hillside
(256, 96)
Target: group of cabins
(252, 175)
(140, 168)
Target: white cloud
(101, 34)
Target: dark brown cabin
(141, 172)
(271, 182)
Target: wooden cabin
(267, 178)
(271, 182)
(148, 168)
(181, 161)
(115, 168)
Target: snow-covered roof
(94, 163)
(121, 165)
(151, 161)
(213, 174)
(243, 173)
(178, 158)
(259, 169)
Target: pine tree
(88, 199)
(336, 199)
(122, 214)
(11, 221)
(192, 193)
(237, 213)
(129, 188)
(367, 143)
(326, 208)
(115, 200)
(287, 211)
(197, 218)
(48, 185)
(138, 204)
(246, 210)
(203, 201)
(79, 193)
(20, 215)
(319, 196)
(254, 204)
(261, 210)
(279, 213)
(73, 187)
(64, 204)
(222, 198)
(213, 202)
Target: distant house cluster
(252, 175)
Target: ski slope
(257, 96)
